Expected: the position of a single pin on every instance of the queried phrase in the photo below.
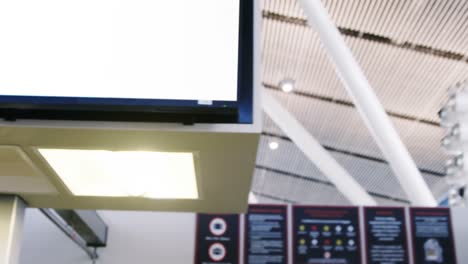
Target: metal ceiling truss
(376, 118)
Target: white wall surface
(134, 237)
(460, 228)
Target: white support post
(368, 105)
(12, 211)
(313, 150)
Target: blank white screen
(146, 49)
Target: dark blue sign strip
(326, 235)
(217, 239)
(386, 239)
(431, 231)
(266, 234)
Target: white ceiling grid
(413, 51)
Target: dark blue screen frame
(150, 110)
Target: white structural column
(368, 105)
(337, 175)
(12, 211)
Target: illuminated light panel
(156, 175)
(135, 49)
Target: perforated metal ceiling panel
(411, 52)
(431, 23)
(289, 162)
(341, 127)
(408, 82)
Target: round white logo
(218, 226)
(217, 252)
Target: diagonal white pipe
(368, 105)
(313, 150)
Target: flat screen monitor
(127, 60)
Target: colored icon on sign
(217, 252)
(302, 227)
(351, 242)
(339, 242)
(314, 242)
(326, 228)
(350, 228)
(302, 242)
(313, 228)
(433, 251)
(218, 226)
(327, 242)
(338, 228)
(327, 255)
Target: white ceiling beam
(368, 105)
(314, 151)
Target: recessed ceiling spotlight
(274, 145)
(287, 85)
